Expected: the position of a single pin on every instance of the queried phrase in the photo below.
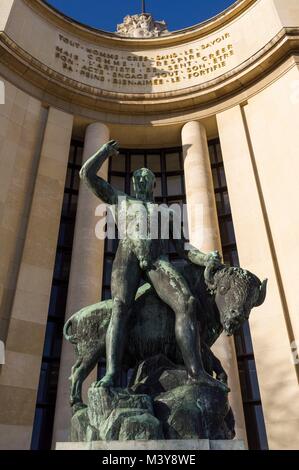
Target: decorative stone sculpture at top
(163, 330)
(142, 26)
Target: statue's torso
(142, 228)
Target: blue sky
(105, 14)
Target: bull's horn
(262, 295)
(209, 273)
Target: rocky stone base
(175, 445)
(158, 405)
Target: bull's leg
(73, 379)
(78, 376)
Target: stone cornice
(54, 83)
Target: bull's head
(237, 291)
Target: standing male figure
(145, 257)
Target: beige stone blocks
(15, 437)
(20, 126)
(17, 406)
(270, 324)
(27, 320)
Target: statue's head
(237, 291)
(144, 182)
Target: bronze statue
(138, 258)
(151, 327)
(163, 330)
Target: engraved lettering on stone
(117, 70)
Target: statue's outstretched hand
(213, 257)
(204, 259)
(111, 148)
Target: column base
(171, 444)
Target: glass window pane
(73, 205)
(68, 181)
(107, 271)
(213, 156)
(259, 416)
(219, 203)
(118, 182)
(66, 234)
(79, 155)
(219, 153)
(215, 178)
(137, 161)
(247, 338)
(111, 244)
(226, 203)
(242, 377)
(230, 231)
(49, 338)
(72, 154)
(235, 258)
(158, 188)
(222, 176)
(58, 300)
(118, 163)
(76, 181)
(173, 162)
(254, 393)
(174, 185)
(154, 162)
(43, 381)
(239, 344)
(106, 294)
(65, 204)
(37, 428)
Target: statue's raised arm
(98, 185)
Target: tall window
(252, 405)
(47, 390)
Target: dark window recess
(253, 412)
(47, 390)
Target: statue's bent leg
(172, 288)
(126, 275)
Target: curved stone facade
(234, 77)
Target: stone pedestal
(159, 404)
(173, 444)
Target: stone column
(204, 235)
(85, 277)
(27, 324)
(22, 126)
